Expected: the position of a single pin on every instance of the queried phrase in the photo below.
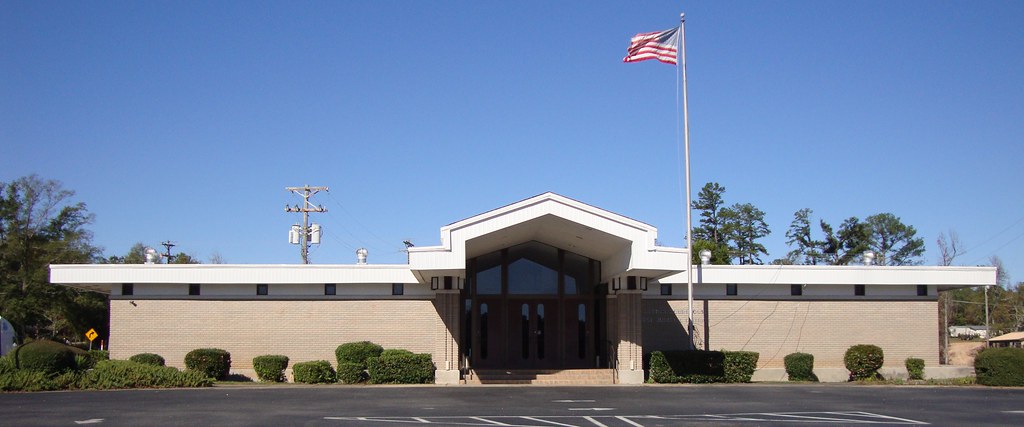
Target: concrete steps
(542, 376)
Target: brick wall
(776, 328)
(301, 330)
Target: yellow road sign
(91, 335)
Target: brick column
(629, 328)
(446, 347)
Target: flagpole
(689, 209)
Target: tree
(719, 252)
(845, 245)
(807, 250)
(743, 224)
(39, 226)
(709, 203)
(948, 249)
(137, 255)
(893, 242)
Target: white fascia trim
(840, 275)
(71, 274)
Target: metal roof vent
(152, 256)
(869, 257)
(361, 256)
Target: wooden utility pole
(306, 192)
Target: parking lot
(638, 406)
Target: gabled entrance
(533, 306)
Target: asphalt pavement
(607, 406)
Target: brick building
(546, 283)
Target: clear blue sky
(186, 120)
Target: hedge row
(1000, 366)
(702, 366)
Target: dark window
(127, 289)
(398, 289)
(796, 289)
(533, 269)
(330, 289)
(858, 290)
(261, 289)
(666, 289)
(922, 290)
(193, 289)
(730, 289)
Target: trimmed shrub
(1002, 366)
(99, 355)
(401, 368)
(357, 352)
(689, 366)
(915, 368)
(316, 372)
(352, 373)
(739, 366)
(148, 359)
(270, 367)
(114, 374)
(394, 351)
(863, 361)
(213, 362)
(46, 356)
(26, 380)
(800, 367)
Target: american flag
(660, 45)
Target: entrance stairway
(542, 376)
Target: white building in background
(544, 284)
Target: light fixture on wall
(435, 282)
(460, 283)
(617, 284)
(643, 283)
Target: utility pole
(168, 244)
(305, 232)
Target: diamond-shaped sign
(91, 335)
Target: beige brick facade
(302, 330)
(774, 329)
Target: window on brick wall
(922, 290)
(666, 289)
(193, 289)
(261, 289)
(730, 289)
(796, 289)
(127, 289)
(398, 289)
(330, 289)
(858, 290)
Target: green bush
(114, 374)
(688, 366)
(316, 372)
(357, 352)
(800, 367)
(401, 368)
(915, 368)
(394, 351)
(46, 356)
(7, 364)
(351, 373)
(149, 359)
(270, 367)
(26, 380)
(739, 366)
(863, 361)
(213, 362)
(1002, 366)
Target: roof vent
(869, 257)
(361, 256)
(152, 256)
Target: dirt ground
(962, 353)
